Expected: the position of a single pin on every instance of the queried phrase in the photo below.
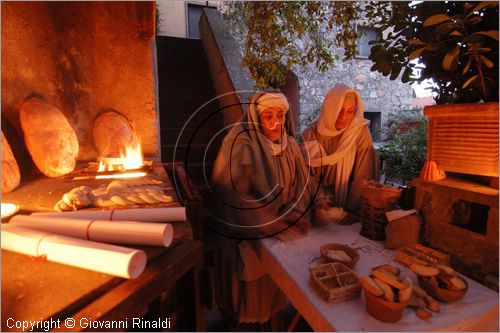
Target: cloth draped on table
(256, 182)
(343, 157)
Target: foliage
(280, 34)
(404, 154)
(457, 42)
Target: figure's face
(346, 114)
(272, 121)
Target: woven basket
(377, 199)
(335, 282)
(418, 254)
(348, 250)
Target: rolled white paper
(99, 257)
(119, 232)
(162, 214)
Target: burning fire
(131, 159)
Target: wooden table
(42, 290)
(288, 264)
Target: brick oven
(83, 59)
(457, 193)
(79, 103)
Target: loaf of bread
(112, 133)
(50, 139)
(424, 270)
(10, 170)
(371, 286)
(388, 278)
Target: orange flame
(130, 159)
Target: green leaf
(481, 5)
(469, 81)
(490, 33)
(475, 20)
(487, 62)
(415, 54)
(467, 66)
(416, 41)
(450, 60)
(456, 33)
(444, 28)
(394, 74)
(406, 75)
(436, 19)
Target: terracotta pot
(441, 294)
(382, 310)
(340, 247)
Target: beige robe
(254, 188)
(341, 157)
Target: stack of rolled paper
(77, 238)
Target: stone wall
(379, 94)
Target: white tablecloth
(477, 311)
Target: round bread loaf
(10, 170)
(112, 133)
(50, 139)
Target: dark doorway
(375, 124)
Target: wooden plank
(129, 298)
(39, 290)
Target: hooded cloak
(344, 157)
(257, 182)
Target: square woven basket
(335, 282)
(418, 254)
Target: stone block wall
(451, 226)
(379, 94)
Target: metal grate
(464, 138)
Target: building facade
(383, 99)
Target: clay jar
(382, 310)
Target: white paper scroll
(163, 214)
(99, 257)
(118, 232)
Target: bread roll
(424, 270)
(50, 140)
(458, 283)
(388, 294)
(423, 314)
(388, 278)
(370, 286)
(389, 268)
(406, 293)
(112, 133)
(10, 170)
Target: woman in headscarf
(264, 189)
(339, 147)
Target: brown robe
(254, 188)
(349, 150)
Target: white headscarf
(344, 155)
(274, 100)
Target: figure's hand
(350, 218)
